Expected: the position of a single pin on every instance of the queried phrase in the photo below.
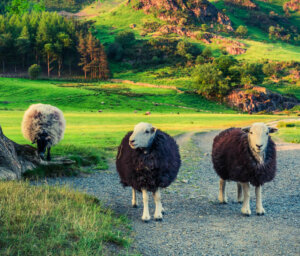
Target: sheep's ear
(153, 130)
(272, 129)
(246, 129)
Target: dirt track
(195, 223)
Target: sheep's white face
(142, 136)
(258, 135)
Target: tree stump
(15, 159)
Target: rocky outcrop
(231, 46)
(260, 99)
(183, 11)
(235, 49)
(248, 4)
(16, 159)
(293, 5)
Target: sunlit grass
(44, 220)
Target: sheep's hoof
(158, 219)
(146, 219)
(222, 200)
(246, 212)
(260, 212)
(135, 206)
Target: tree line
(54, 42)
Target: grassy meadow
(95, 135)
(45, 220)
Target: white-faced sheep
(148, 160)
(44, 125)
(246, 156)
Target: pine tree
(50, 55)
(92, 50)
(23, 44)
(82, 49)
(103, 64)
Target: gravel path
(195, 223)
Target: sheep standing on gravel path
(44, 125)
(245, 155)
(148, 160)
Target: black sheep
(148, 160)
(246, 156)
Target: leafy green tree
(204, 27)
(200, 60)
(20, 7)
(210, 82)
(269, 69)
(224, 62)
(207, 53)
(34, 71)
(115, 51)
(252, 73)
(125, 38)
(241, 31)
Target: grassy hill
(259, 46)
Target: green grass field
(72, 96)
(289, 131)
(92, 136)
(44, 220)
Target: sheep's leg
(259, 208)
(48, 154)
(222, 192)
(134, 199)
(146, 215)
(158, 206)
(246, 203)
(239, 193)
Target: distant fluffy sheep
(44, 125)
(245, 155)
(148, 160)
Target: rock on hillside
(248, 4)
(292, 5)
(260, 99)
(183, 11)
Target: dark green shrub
(125, 38)
(184, 48)
(34, 71)
(252, 73)
(200, 60)
(207, 53)
(269, 69)
(241, 31)
(210, 82)
(224, 63)
(115, 51)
